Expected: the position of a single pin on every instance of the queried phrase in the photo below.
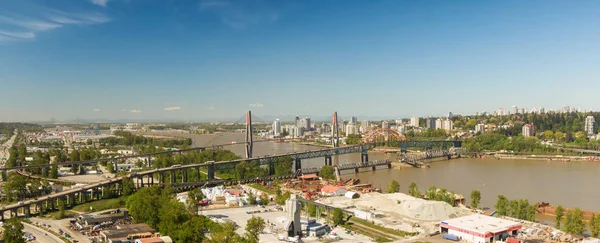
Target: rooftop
(482, 224)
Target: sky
(216, 59)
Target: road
(41, 235)
(63, 224)
(4, 149)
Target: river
(569, 184)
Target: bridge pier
(364, 157)
(297, 164)
(211, 170)
(199, 173)
(2, 216)
(149, 162)
(328, 160)
(115, 166)
(271, 167)
(373, 168)
(356, 170)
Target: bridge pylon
(249, 135)
(335, 131)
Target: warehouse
(479, 228)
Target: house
(129, 233)
(163, 239)
(478, 228)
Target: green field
(104, 204)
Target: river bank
(557, 158)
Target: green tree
(194, 196)
(513, 209)
(128, 186)
(475, 198)
(145, 204)
(531, 213)
(251, 199)
(502, 205)
(22, 152)
(574, 222)
(327, 172)
(312, 210)
(281, 198)
(558, 136)
(393, 187)
(593, 225)
(338, 216)
(53, 172)
(548, 134)
(15, 187)
(254, 227)
(225, 233)
(264, 200)
(172, 215)
(193, 230)
(595, 230)
(13, 231)
(431, 193)
(110, 167)
(353, 139)
(284, 165)
(413, 190)
(560, 213)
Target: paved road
(41, 235)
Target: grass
(264, 188)
(380, 228)
(103, 204)
(55, 215)
(373, 236)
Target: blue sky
(192, 60)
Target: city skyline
(211, 60)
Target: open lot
(277, 218)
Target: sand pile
(402, 205)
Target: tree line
(128, 139)
(159, 209)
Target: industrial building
(478, 228)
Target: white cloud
(100, 2)
(136, 111)
(256, 105)
(23, 26)
(23, 35)
(96, 110)
(172, 108)
(241, 14)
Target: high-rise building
(542, 110)
(351, 129)
(479, 128)
(414, 121)
(438, 123)
(448, 125)
(297, 121)
(528, 130)
(501, 111)
(385, 124)
(277, 127)
(305, 123)
(430, 123)
(450, 115)
(590, 122)
(354, 120)
(515, 109)
(365, 126)
(523, 111)
(402, 130)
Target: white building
(402, 130)
(528, 130)
(385, 124)
(590, 122)
(305, 123)
(351, 129)
(277, 127)
(438, 123)
(365, 126)
(414, 121)
(448, 125)
(479, 128)
(478, 228)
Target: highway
(41, 235)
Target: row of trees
(18, 187)
(128, 139)
(496, 142)
(520, 209)
(433, 193)
(573, 221)
(159, 209)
